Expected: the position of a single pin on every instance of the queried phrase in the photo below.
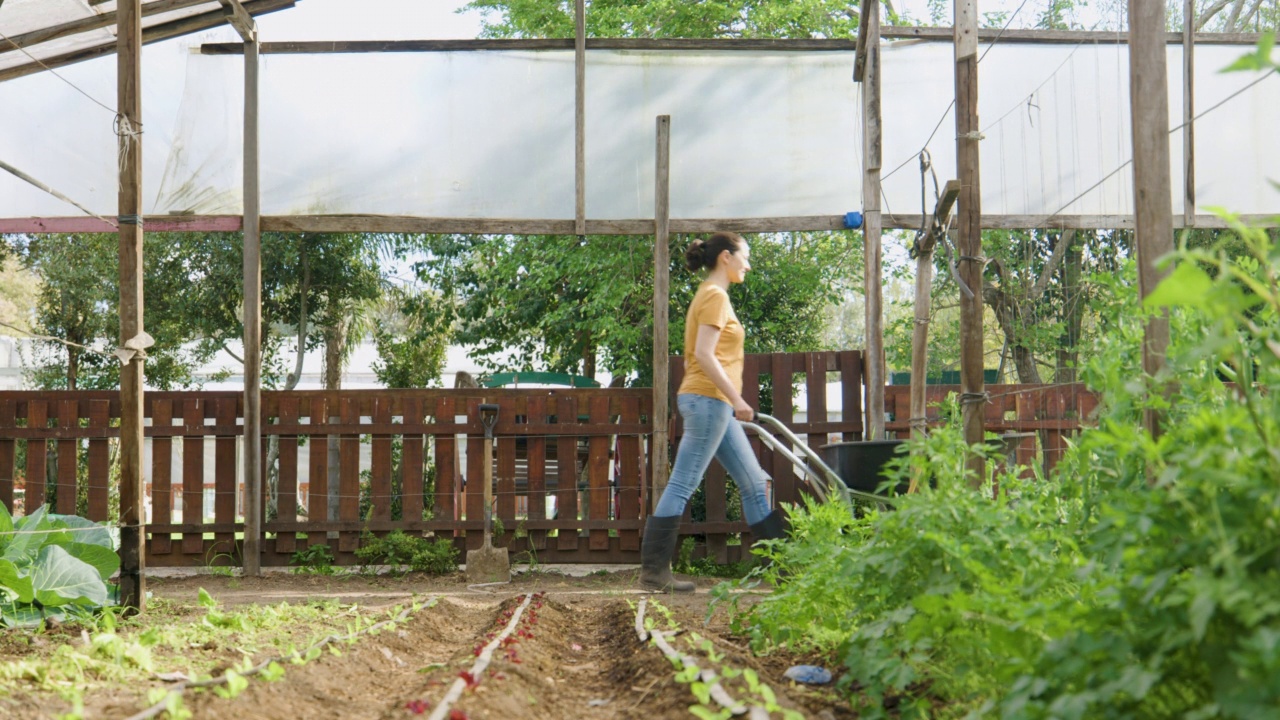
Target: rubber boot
(772, 527)
(660, 537)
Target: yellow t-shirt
(711, 306)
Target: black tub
(860, 463)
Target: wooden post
(251, 549)
(580, 117)
(924, 283)
(1189, 113)
(871, 223)
(1152, 191)
(969, 229)
(133, 557)
(661, 301)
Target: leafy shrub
(48, 562)
(1137, 582)
(434, 557)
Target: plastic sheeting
(754, 134)
(18, 17)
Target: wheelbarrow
(816, 473)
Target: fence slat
(445, 506)
(224, 476)
(715, 487)
(816, 394)
(161, 472)
(287, 483)
(598, 473)
(850, 362)
(784, 479)
(349, 475)
(506, 472)
(8, 415)
(629, 476)
(68, 458)
(474, 481)
(318, 469)
(411, 464)
(380, 464)
(536, 464)
(98, 479)
(193, 475)
(37, 417)
(567, 473)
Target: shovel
(488, 564)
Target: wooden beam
(661, 302)
(873, 360)
(969, 231)
(90, 23)
(251, 550)
(515, 226)
(526, 44)
(153, 223)
(133, 593)
(1152, 192)
(241, 20)
(1188, 113)
(1071, 37)
(155, 33)
(936, 34)
(580, 118)
(860, 56)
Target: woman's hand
(742, 411)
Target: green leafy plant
(313, 560)
(432, 556)
(50, 564)
(707, 567)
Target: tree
(76, 302)
(19, 288)
(671, 18)
(579, 305)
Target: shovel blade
(488, 564)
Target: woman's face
(737, 264)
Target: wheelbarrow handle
(828, 481)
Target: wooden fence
(570, 465)
(1052, 412)
(583, 449)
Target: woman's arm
(705, 352)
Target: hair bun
(696, 256)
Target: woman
(710, 401)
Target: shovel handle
(488, 418)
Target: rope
(37, 61)
(941, 119)
(51, 338)
(11, 533)
(51, 191)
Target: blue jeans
(710, 430)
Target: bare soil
(577, 657)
